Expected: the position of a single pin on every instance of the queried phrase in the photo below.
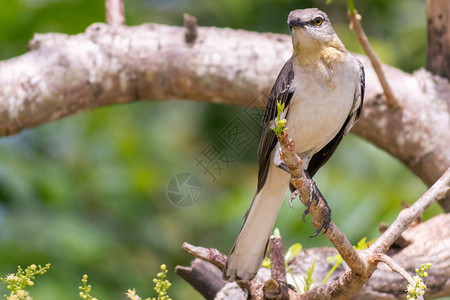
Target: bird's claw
(314, 193)
(326, 221)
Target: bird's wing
(282, 90)
(322, 156)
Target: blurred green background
(88, 193)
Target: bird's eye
(318, 21)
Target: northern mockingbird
(322, 86)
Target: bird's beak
(296, 23)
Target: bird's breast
(321, 103)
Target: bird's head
(311, 30)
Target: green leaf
(309, 279)
(293, 251)
(363, 244)
(279, 128)
(351, 6)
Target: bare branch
(393, 265)
(355, 24)
(362, 267)
(203, 276)
(408, 215)
(429, 242)
(210, 255)
(115, 15)
(401, 242)
(63, 75)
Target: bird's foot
(314, 194)
(326, 219)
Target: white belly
(319, 107)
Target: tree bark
(429, 243)
(63, 75)
(438, 20)
(203, 276)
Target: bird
(322, 87)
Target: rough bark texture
(203, 276)
(430, 242)
(349, 283)
(438, 20)
(63, 75)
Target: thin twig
(408, 215)
(355, 25)
(349, 283)
(191, 33)
(298, 177)
(401, 242)
(387, 260)
(115, 13)
(211, 255)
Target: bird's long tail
(248, 252)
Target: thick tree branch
(362, 265)
(63, 75)
(204, 277)
(349, 283)
(430, 242)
